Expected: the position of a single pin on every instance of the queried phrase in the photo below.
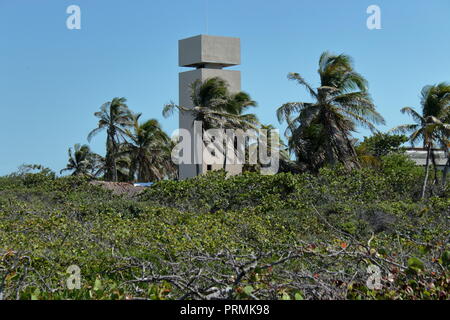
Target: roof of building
(419, 156)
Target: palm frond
(414, 114)
(403, 129)
(284, 113)
(297, 77)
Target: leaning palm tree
(436, 102)
(320, 132)
(149, 150)
(82, 161)
(426, 129)
(114, 117)
(216, 108)
(431, 127)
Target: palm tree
(254, 148)
(122, 165)
(431, 127)
(319, 132)
(216, 108)
(149, 150)
(114, 117)
(438, 104)
(239, 103)
(82, 162)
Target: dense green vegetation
(319, 133)
(342, 219)
(252, 236)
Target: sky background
(52, 79)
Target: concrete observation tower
(209, 55)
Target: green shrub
(298, 236)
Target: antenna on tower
(206, 15)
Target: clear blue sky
(53, 79)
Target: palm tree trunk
(225, 153)
(340, 148)
(132, 171)
(115, 177)
(433, 160)
(114, 164)
(444, 175)
(111, 152)
(108, 166)
(427, 172)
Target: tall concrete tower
(209, 55)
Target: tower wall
(209, 55)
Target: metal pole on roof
(206, 15)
